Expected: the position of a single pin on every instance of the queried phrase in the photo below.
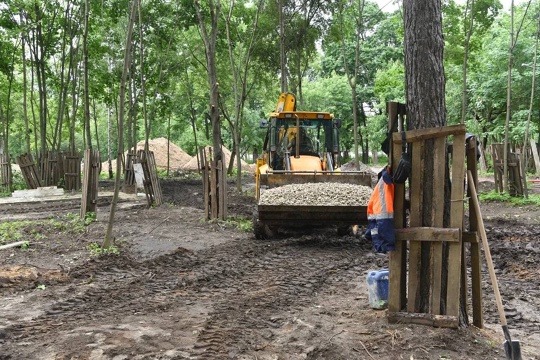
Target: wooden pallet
(5, 173)
(152, 188)
(432, 246)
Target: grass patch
(494, 196)
(241, 223)
(97, 250)
(34, 230)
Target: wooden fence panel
(29, 172)
(5, 173)
(90, 182)
(72, 173)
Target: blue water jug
(377, 282)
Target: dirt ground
(185, 288)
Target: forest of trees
(61, 64)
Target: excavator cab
(298, 143)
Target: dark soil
(185, 288)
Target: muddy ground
(184, 288)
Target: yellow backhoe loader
(302, 147)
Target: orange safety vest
(381, 203)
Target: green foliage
(12, 231)
(97, 250)
(18, 181)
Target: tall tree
(352, 74)
(209, 37)
(513, 41)
(85, 76)
(127, 61)
(240, 59)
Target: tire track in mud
(247, 284)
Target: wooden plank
(536, 158)
(437, 218)
(429, 133)
(397, 259)
(415, 220)
(224, 191)
(205, 177)
(156, 188)
(213, 188)
(428, 234)
(221, 200)
(456, 220)
(5, 173)
(86, 177)
(442, 321)
(476, 264)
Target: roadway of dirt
(184, 288)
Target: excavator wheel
(261, 230)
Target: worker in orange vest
(380, 214)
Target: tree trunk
(425, 93)
(239, 88)
(127, 60)
(524, 153)
(24, 97)
(209, 39)
(143, 89)
(468, 33)
(85, 75)
(508, 100)
(282, 49)
(352, 76)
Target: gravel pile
(313, 194)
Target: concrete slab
(39, 192)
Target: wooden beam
(397, 291)
(415, 220)
(534, 150)
(429, 133)
(443, 321)
(454, 289)
(437, 216)
(470, 237)
(428, 234)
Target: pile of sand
(193, 166)
(177, 156)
